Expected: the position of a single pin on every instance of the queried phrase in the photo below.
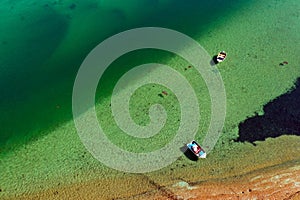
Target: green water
(43, 43)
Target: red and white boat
(196, 149)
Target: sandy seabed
(243, 75)
(278, 182)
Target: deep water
(42, 45)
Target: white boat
(221, 56)
(196, 149)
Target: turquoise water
(43, 43)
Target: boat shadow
(214, 61)
(188, 153)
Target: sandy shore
(257, 177)
(277, 182)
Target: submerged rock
(72, 6)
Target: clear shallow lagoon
(43, 43)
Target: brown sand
(279, 182)
(272, 175)
(275, 183)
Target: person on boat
(196, 148)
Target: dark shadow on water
(281, 117)
(214, 60)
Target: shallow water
(43, 43)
